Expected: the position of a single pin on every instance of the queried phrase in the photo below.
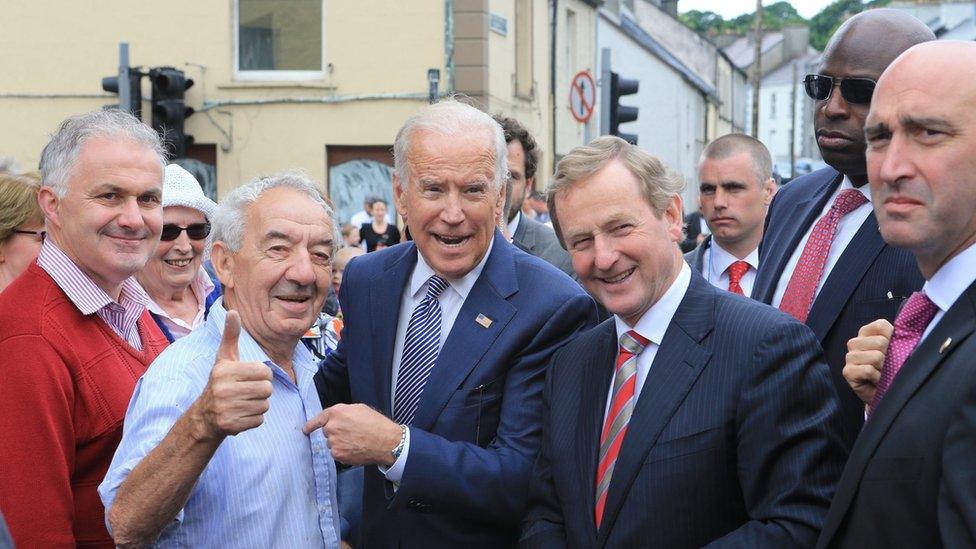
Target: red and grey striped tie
(622, 402)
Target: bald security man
(822, 258)
(910, 480)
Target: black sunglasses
(39, 235)
(197, 231)
(856, 91)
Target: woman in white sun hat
(179, 288)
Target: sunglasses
(856, 91)
(39, 235)
(197, 231)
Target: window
(279, 39)
(523, 48)
(570, 41)
(772, 105)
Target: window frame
(273, 75)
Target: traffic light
(620, 114)
(169, 110)
(130, 93)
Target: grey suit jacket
(540, 241)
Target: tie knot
(633, 342)
(736, 270)
(847, 201)
(917, 313)
(435, 286)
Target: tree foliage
(778, 15)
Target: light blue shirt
(271, 486)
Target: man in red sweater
(75, 335)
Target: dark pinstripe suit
(734, 438)
(857, 290)
(911, 479)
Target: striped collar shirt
(271, 486)
(122, 315)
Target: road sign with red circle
(582, 96)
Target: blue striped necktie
(420, 350)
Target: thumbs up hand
(236, 397)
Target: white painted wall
(671, 122)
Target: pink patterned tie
(910, 324)
(806, 276)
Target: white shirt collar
(657, 319)
(846, 184)
(721, 259)
(514, 223)
(952, 279)
(422, 271)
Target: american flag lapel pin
(483, 320)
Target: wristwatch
(396, 451)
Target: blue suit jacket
(477, 430)
(857, 290)
(734, 438)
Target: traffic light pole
(125, 88)
(605, 91)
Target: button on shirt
(652, 326)
(271, 486)
(847, 227)
(121, 316)
(450, 300)
(715, 266)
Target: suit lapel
(385, 293)
(597, 370)
(469, 339)
(958, 323)
(679, 361)
(699, 264)
(806, 210)
(845, 276)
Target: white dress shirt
(652, 326)
(847, 227)
(948, 283)
(513, 224)
(450, 300)
(716, 263)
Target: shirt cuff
(395, 472)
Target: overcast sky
(733, 8)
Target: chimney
(670, 7)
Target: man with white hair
(213, 454)
(75, 334)
(445, 348)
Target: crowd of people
(182, 373)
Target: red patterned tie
(622, 402)
(736, 271)
(910, 324)
(806, 276)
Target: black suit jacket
(869, 281)
(911, 477)
(734, 438)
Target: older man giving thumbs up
(213, 453)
